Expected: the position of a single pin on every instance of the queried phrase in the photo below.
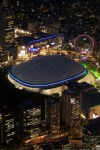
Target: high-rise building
(52, 114)
(71, 107)
(86, 103)
(6, 29)
(7, 127)
(30, 118)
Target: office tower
(85, 88)
(52, 114)
(6, 29)
(30, 117)
(7, 128)
(71, 107)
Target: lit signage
(22, 51)
(72, 100)
(31, 49)
(53, 43)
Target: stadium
(45, 73)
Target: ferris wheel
(84, 43)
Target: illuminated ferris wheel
(84, 44)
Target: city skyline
(49, 74)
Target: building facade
(52, 114)
(7, 126)
(71, 107)
(6, 29)
(30, 120)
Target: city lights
(49, 74)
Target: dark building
(7, 125)
(71, 107)
(91, 138)
(86, 89)
(82, 86)
(30, 118)
(52, 114)
(6, 29)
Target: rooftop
(93, 126)
(47, 71)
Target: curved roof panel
(44, 71)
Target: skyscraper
(52, 114)
(71, 107)
(7, 127)
(30, 118)
(6, 29)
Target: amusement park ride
(84, 45)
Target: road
(46, 138)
